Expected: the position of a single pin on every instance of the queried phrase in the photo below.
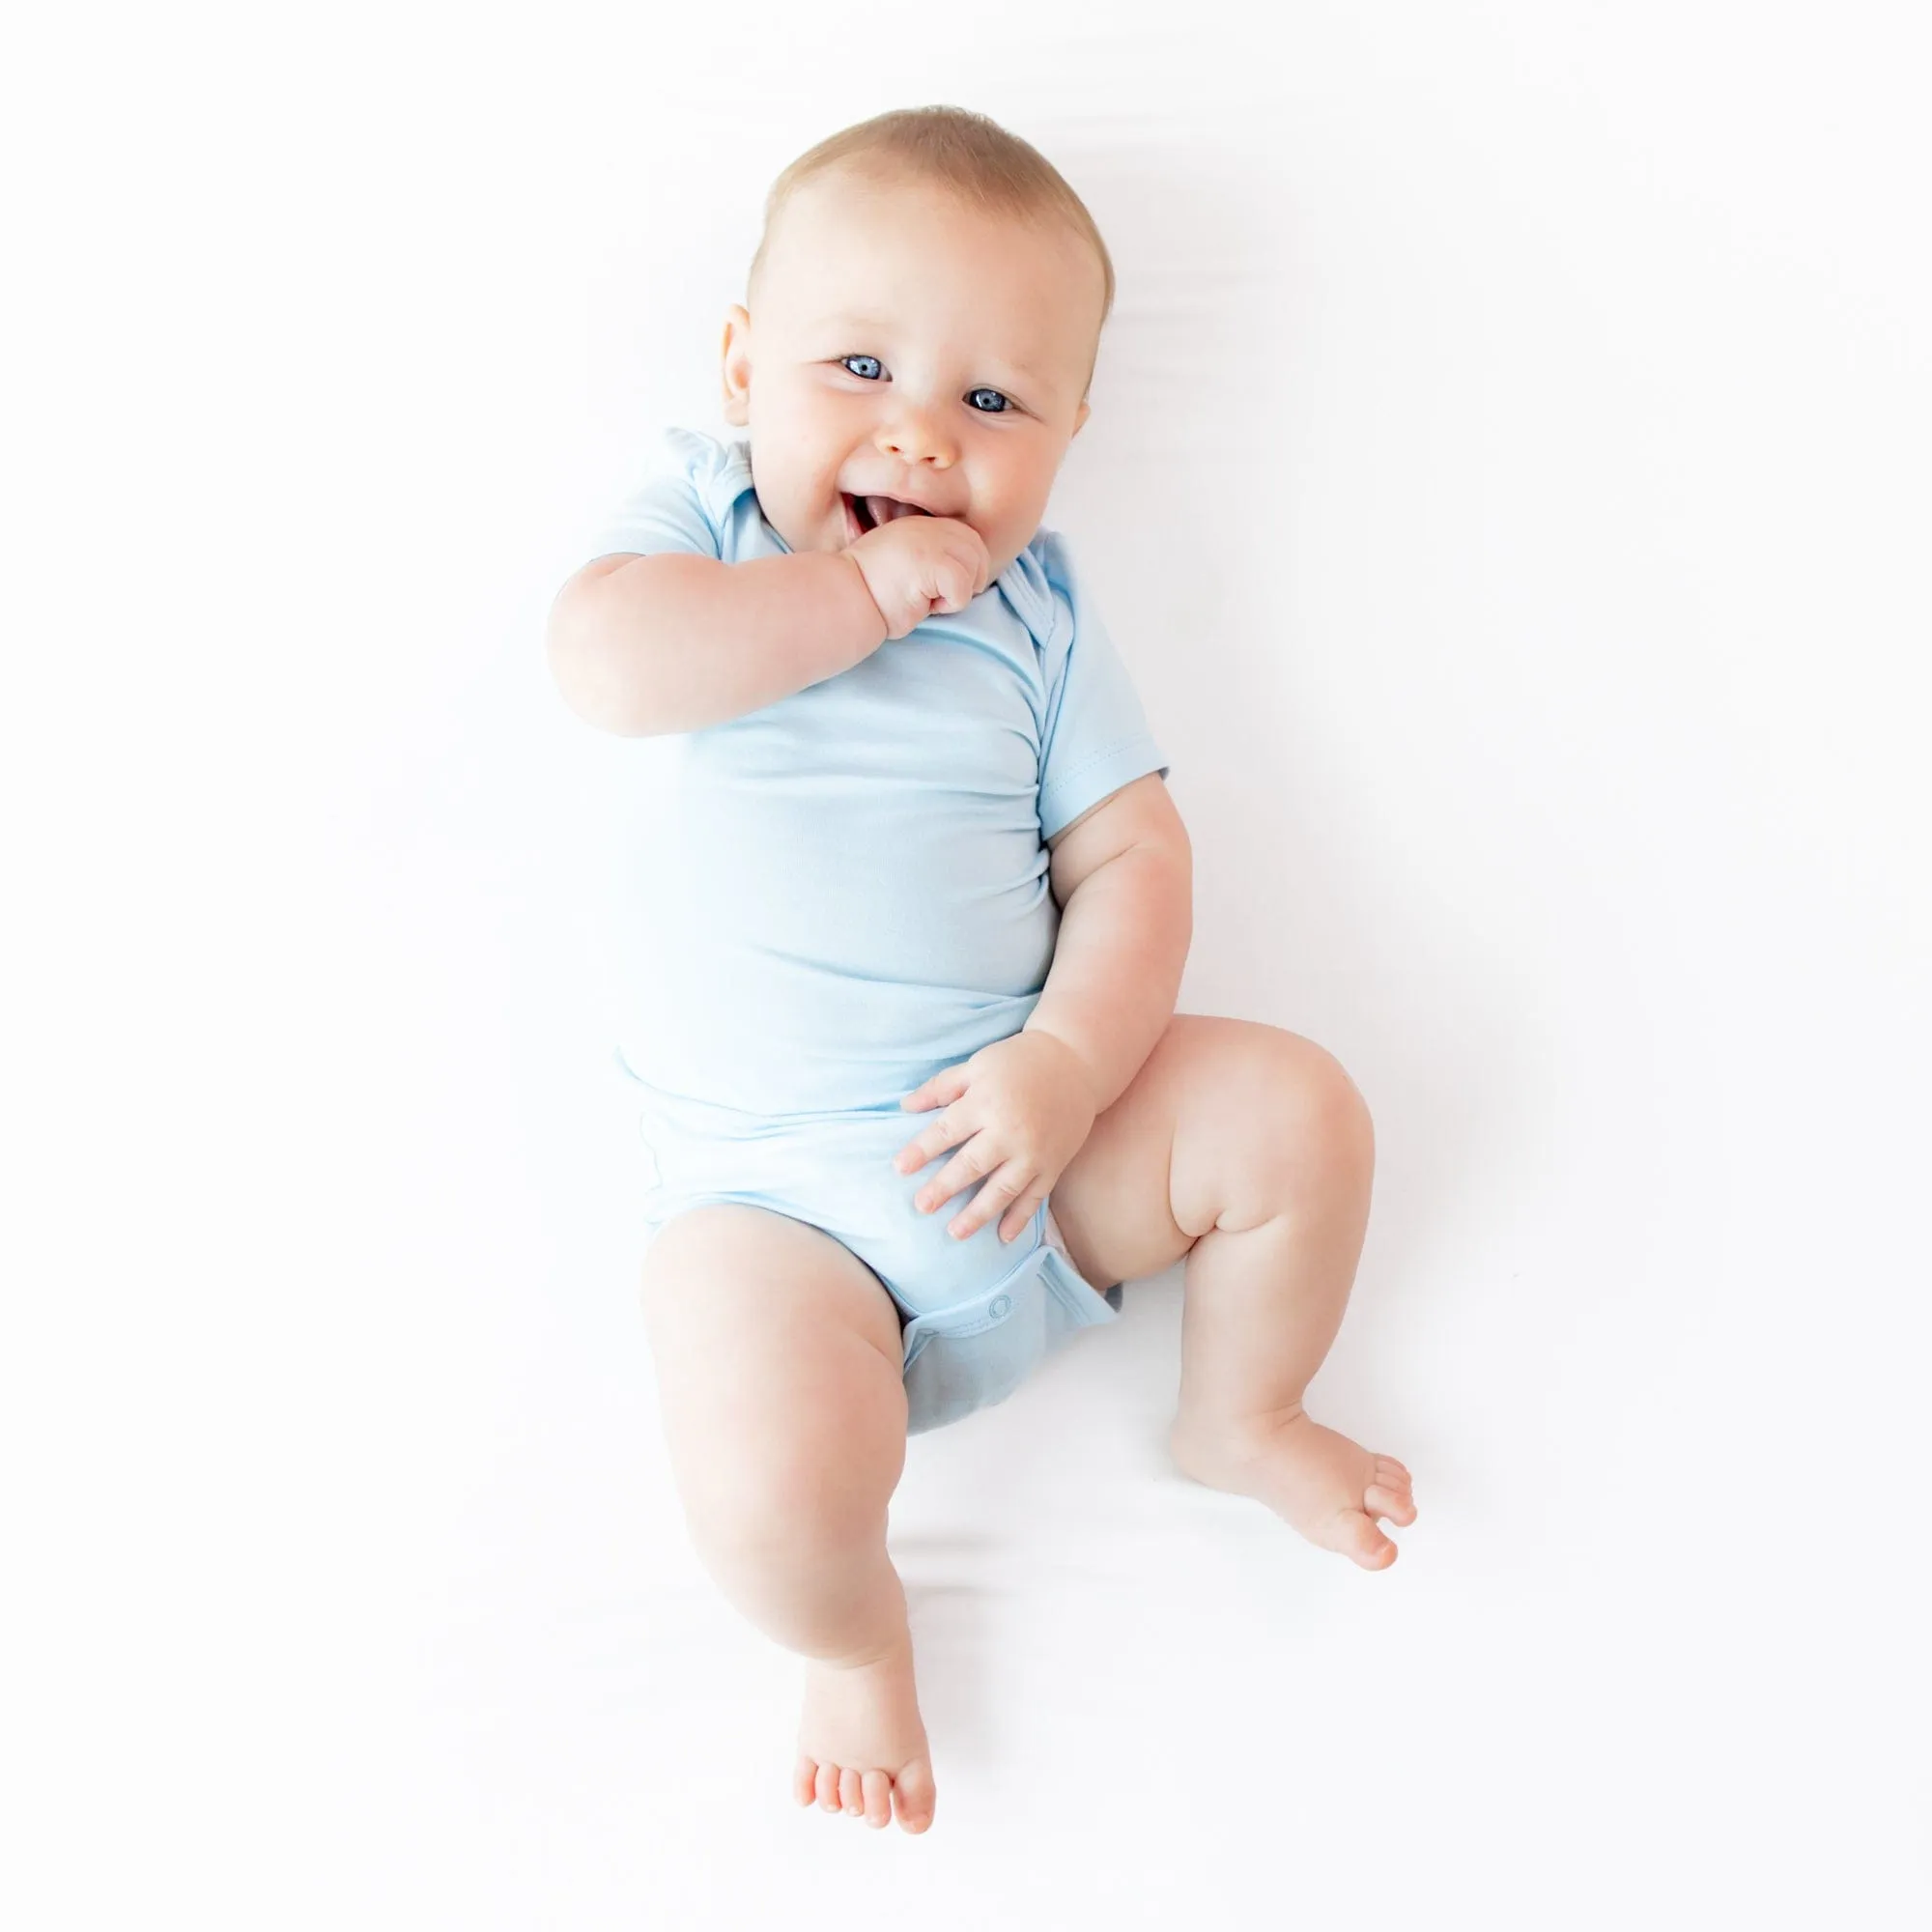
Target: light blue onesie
(822, 903)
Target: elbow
(564, 653)
(579, 665)
(560, 675)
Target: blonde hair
(968, 154)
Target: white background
(1508, 484)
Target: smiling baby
(901, 923)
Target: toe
(878, 1794)
(1392, 1474)
(912, 1794)
(804, 1780)
(828, 1787)
(1391, 1503)
(1356, 1537)
(851, 1792)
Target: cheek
(799, 444)
(797, 417)
(822, 436)
(1014, 492)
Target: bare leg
(1247, 1149)
(779, 1369)
(1266, 1288)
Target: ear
(737, 366)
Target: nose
(913, 435)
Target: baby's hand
(915, 565)
(1023, 1107)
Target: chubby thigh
(778, 1357)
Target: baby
(898, 844)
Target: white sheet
(1534, 389)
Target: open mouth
(868, 513)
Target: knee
(1309, 1123)
(762, 1521)
(791, 1500)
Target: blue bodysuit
(820, 904)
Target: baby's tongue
(884, 509)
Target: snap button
(999, 1306)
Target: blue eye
(1001, 404)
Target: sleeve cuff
(1096, 778)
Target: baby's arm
(640, 645)
(1122, 873)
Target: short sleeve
(1095, 736)
(671, 508)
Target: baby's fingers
(1024, 1210)
(1001, 1190)
(926, 1147)
(940, 1091)
(958, 1174)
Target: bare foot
(1330, 1488)
(862, 1746)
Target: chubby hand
(1018, 1111)
(916, 565)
